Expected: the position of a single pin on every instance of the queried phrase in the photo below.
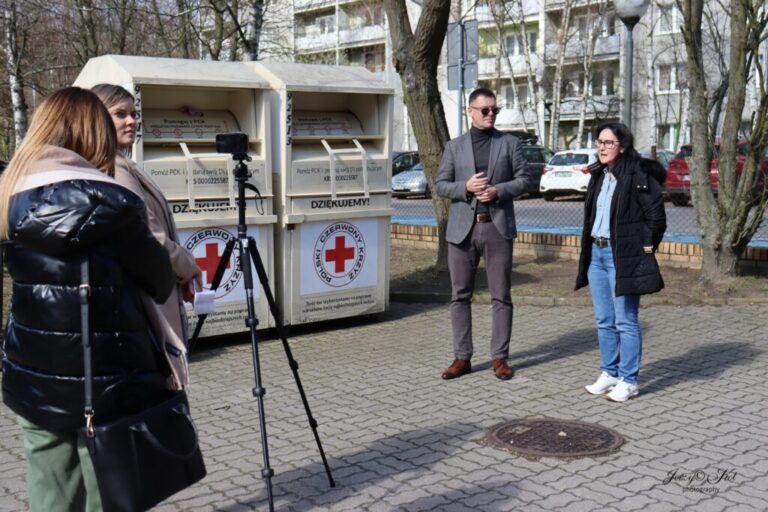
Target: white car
(567, 173)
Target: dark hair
(480, 91)
(624, 136)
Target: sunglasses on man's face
(487, 110)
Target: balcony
(368, 34)
(316, 42)
(556, 5)
(486, 67)
(510, 118)
(300, 6)
(530, 8)
(609, 46)
(597, 107)
(358, 36)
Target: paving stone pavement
(398, 438)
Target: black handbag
(142, 459)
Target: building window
(667, 136)
(670, 18)
(671, 78)
(507, 99)
(515, 43)
(609, 24)
(325, 24)
(589, 25)
(523, 98)
(572, 85)
(374, 61)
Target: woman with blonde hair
(60, 206)
(169, 318)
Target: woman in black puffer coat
(624, 222)
(59, 205)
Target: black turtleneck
(481, 147)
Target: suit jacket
(507, 171)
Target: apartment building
(558, 83)
(351, 32)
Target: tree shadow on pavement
(700, 363)
(307, 488)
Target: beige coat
(168, 319)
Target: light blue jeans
(618, 329)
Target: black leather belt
(601, 242)
(483, 217)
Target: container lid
(126, 69)
(320, 78)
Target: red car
(678, 184)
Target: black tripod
(246, 246)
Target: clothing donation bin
(182, 105)
(331, 143)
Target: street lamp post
(629, 12)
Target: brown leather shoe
(458, 368)
(502, 369)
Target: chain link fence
(565, 216)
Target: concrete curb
(650, 300)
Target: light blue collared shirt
(602, 226)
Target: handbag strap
(84, 292)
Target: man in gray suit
(481, 172)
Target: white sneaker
(602, 385)
(623, 391)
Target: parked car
(411, 183)
(678, 185)
(663, 156)
(404, 160)
(537, 157)
(567, 173)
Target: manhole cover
(553, 438)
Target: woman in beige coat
(169, 318)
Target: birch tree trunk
(254, 22)
(587, 64)
(562, 41)
(15, 40)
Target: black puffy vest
(53, 228)
(638, 220)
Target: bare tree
(727, 221)
(595, 25)
(416, 56)
(16, 36)
(563, 36)
(86, 17)
(254, 22)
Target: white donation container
(182, 106)
(331, 150)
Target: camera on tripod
(235, 143)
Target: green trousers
(60, 475)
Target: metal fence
(565, 216)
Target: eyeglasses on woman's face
(607, 143)
(487, 110)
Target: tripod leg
(258, 391)
(277, 315)
(222, 266)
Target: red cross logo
(210, 262)
(339, 255)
